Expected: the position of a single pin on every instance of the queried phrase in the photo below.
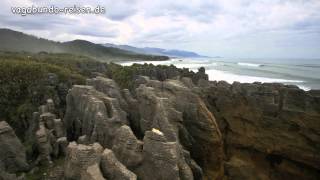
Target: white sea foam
(192, 65)
(304, 87)
(249, 64)
(216, 75)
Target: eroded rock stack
(82, 161)
(173, 131)
(183, 118)
(50, 135)
(261, 131)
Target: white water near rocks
(303, 73)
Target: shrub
(24, 86)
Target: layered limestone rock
(108, 87)
(270, 129)
(91, 162)
(81, 161)
(183, 118)
(93, 114)
(179, 132)
(162, 156)
(44, 144)
(167, 130)
(12, 153)
(127, 148)
(50, 133)
(114, 169)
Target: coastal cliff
(169, 124)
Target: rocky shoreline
(171, 124)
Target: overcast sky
(228, 28)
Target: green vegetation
(25, 84)
(25, 80)
(106, 54)
(17, 42)
(125, 75)
(80, 64)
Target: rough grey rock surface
(80, 159)
(49, 134)
(93, 114)
(99, 113)
(182, 117)
(92, 173)
(167, 130)
(108, 87)
(114, 169)
(160, 157)
(45, 148)
(59, 130)
(12, 152)
(127, 147)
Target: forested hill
(17, 41)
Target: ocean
(304, 73)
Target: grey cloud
(97, 33)
(311, 23)
(203, 11)
(219, 21)
(175, 35)
(120, 10)
(32, 23)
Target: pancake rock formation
(185, 128)
(170, 135)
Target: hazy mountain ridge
(156, 51)
(17, 41)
